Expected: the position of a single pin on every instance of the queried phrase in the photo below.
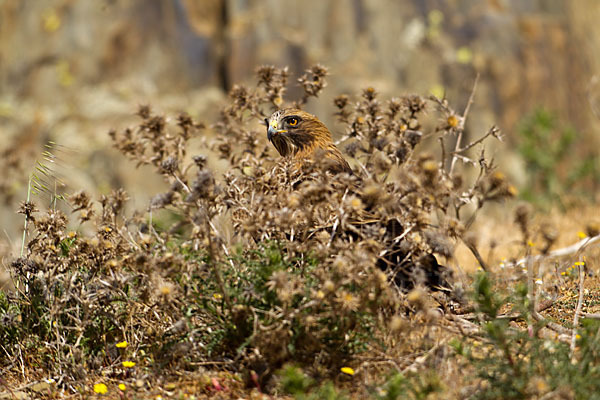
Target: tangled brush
(266, 262)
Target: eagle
(301, 136)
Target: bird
(302, 136)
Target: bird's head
(292, 130)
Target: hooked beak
(272, 130)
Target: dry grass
(226, 279)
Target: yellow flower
(122, 387)
(122, 345)
(347, 371)
(530, 244)
(217, 296)
(578, 336)
(128, 364)
(581, 235)
(580, 263)
(100, 388)
(452, 121)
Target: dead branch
(577, 310)
(565, 251)
(461, 126)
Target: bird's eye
(292, 121)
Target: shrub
(262, 265)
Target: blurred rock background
(72, 69)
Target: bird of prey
(301, 136)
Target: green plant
(397, 386)
(279, 308)
(513, 363)
(549, 149)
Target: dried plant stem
(477, 255)
(530, 290)
(551, 325)
(215, 268)
(443, 158)
(182, 183)
(26, 217)
(465, 327)
(590, 315)
(492, 132)
(470, 102)
(455, 155)
(421, 360)
(223, 246)
(540, 306)
(577, 310)
(565, 251)
(461, 127)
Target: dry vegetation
(268, 279)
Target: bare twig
(492, 132)
(443, 158)
(466, 328)
(530, 290)
(551, 325)
(477, 255)
(574, 248)
(419, 361)
(461, 126)
(470, 102)
(577, 309)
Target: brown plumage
(301, 136)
